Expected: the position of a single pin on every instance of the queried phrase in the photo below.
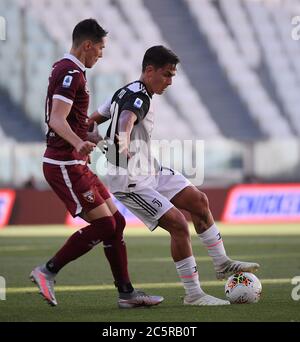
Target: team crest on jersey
(89, 196)
(67, 81)
(138, 103)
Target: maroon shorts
(77, 186)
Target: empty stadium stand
(237, 87)
(239, 69)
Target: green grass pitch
(85, 292)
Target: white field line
(144, 286)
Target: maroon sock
(83, 241)
(116, 254)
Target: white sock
(213, 241)
(188, 274)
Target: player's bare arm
(98, 118)
(126, 123)
(93, 135)
(58, 122)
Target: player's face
(162, 78)
(94, 52)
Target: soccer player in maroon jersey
(65, 169)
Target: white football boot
(233, 266)
(205, 300)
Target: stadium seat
(238, 72)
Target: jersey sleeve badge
(138, 103)
(67, 81)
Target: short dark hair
(159, 56)
(88, 29)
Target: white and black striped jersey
(133, 97)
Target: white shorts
(149, 204)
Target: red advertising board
(7, 198)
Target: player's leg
(174, 222)
(77, 245)
(80, 189)
(116, 252)
(80, 196)
(154, 209)
(197, 204)
(181, 249)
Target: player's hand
(85, 147)
(93, 135)
(91, 123)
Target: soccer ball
(243, 288)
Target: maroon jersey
(67, 83)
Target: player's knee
(105, 228)
(120, 223)
(201, 204)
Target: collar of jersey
(148, 92)
(75, 60)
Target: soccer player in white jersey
(156, 194)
